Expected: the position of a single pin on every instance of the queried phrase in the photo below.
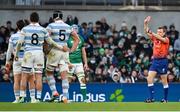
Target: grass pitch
(98, 106)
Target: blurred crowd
(114, 55)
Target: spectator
(134, 77)
(173, 34)
(9, 28)
(133, 33)
(5, 77)
(123, 33)
(69, 20)
(171, 77)
(177, 45)
(111, 29)
(76, 21)
(104, 25)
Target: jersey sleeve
(10, 50)
(69, 29)
(152, 38)
(46, 34)
(49, 28)
(22, 36)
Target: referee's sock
(151, 90)
(166, 87)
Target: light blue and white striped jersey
(59, 32)
(34, 36)
(12, 45)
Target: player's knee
(81, 78)
(164, 80)
(149, 78)
(83, 81)
(64, 75)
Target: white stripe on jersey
(59, 32)
(34, 36)
(13, 40)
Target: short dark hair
(58, 14)
(162, 27)
(34, 17)
(20, 24)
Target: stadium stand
(114, 55)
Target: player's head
(57, 15)
(20, 24)
(75, 28)
(161, 31)
(34, 17)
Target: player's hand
(147, 19)
(65, 49)
(86, 68)
(7, 68)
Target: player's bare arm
(76, 41)
(84, 59)
(51, 42)
(8, 57)
(18, 47)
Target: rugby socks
(82, 86)
(17, 94)
(83, 91)
(166, 87)
(151, 90)
(52, 84)
(65, 88)
(32, 93)
(22, 93)
(38, 94)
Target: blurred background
(118, 51)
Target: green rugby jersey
(76, 56)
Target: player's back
(13, 40)
(60, 32)
(34, 36)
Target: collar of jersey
(36, 24)
(58, 21)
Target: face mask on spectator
(92, 61)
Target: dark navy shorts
(159, 65)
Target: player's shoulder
(50, 24)
(65, 24)
(17, 34)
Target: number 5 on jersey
(62, 35)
